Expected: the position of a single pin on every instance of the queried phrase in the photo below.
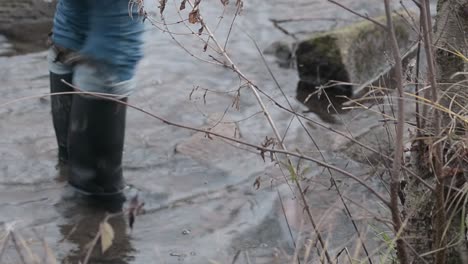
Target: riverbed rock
(355, 54)
(26, 23)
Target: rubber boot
(95, 144)
(61, 107)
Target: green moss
(327, 47)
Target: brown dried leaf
(194, 16)
(162, 6)
(135, 208)
(182, 5)
(107, 236)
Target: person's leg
(61, 106)
(68, 35)
(97, 130)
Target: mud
(201, 203)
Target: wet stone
(354, 54)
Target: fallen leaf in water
(107, 235)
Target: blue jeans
(107, 39)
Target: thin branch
(397, 160)
(358, 14)
(440, 217)
(211, 133)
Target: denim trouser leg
(106, 37)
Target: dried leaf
(200, 31)
(182, 5)
(135, 208)
(194, 16)
(107, 236)
(262, 154)
(257, 183)
(162, 5)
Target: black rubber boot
(61, 107)
(95, 144)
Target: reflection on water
(325, 102)
(80, 229)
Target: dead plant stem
(440, 218)
(397, 160)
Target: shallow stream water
(201, 204)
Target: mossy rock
(356, 54)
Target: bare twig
(440, 217)
(357, 14)
(397, 160)
(211, 133)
